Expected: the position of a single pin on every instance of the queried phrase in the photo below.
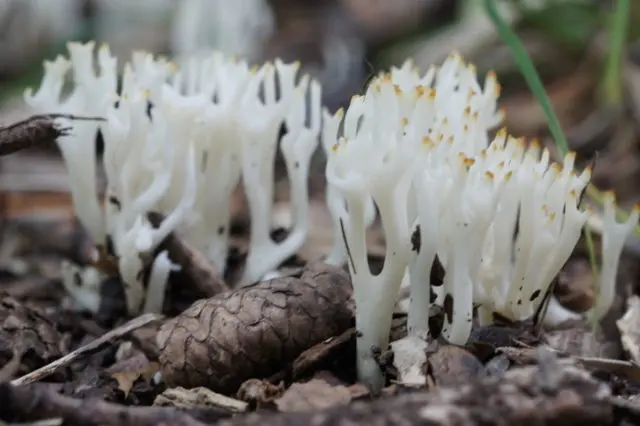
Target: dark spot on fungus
(115, 202)
(535, 295)
(110, 248)
(448, 307)
(376, 351)
(437, 273)
(358, 333)
(415, 239)
(77, 279)
(221, 230)
(432, 295)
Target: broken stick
(37, 130)
(93, 346)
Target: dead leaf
(627, 369)
(582, 340)
(259, 393)
(127, 372)
(313, 395)
(126, 381)
(358, 391)
(452, 365)
(33, 330)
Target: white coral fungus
(177, 142)
(499, 216)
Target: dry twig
(91, 347)
(201, 273)
(37, 130)
(38, 402)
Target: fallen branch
(202, 276)
(550, 393)
(37, 130)
(38, 402)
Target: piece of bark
(37, 130)
(252, 332)
(314, 395)
(199, 271)
(38, 402)
(201, 398)
(319, 354)
(326, 351)
(549, 394)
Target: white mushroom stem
(427, 194)
(614, 234)
(297, 147)
(336, 203)
(157, 285)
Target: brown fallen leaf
(126, 380)
(259, 393)
(581, 339)
(29, 330)
(127, 372)
(252, 332)
(315, 394)
(452, 365)
(485, 339)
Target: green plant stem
(529, 73)
(612, 79)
